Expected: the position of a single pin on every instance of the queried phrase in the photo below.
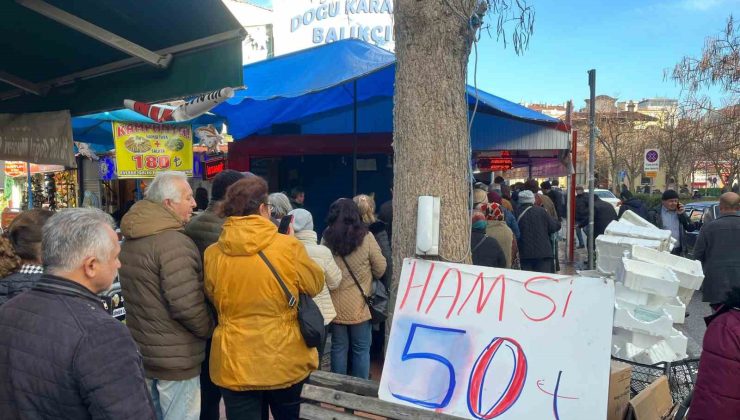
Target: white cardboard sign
(486, 343)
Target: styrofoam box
(639, 319)
(659, 352)
(610, 250)
(685, 295)
(672, 305)
(688, 272)
(628, 295)
(646, 277)
(632, 218)
(678, 343)
(618, 228)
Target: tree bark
(430, 140)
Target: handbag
(377, 302)
(310, 320)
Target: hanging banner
(143, 150)
(483, 343)
(17, 168)
(42, 137)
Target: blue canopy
(97, 130)
(315, 90)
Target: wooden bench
(339, 397)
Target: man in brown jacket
(166, 311)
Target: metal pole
(354, 139)
(591, 165)
(30, 186)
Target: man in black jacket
(536, 226)
(670, 215)
(62, 356)
(604, 213)
(718, 249)
(630, 202)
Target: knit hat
(494, 197)
(480, 196)
(526, 197)
(495, 212)
(302, 220)
(669, 195)
(479, 220)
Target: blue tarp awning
(314, 88)
(97, 129)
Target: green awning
(46, 65)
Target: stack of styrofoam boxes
(648, 280)
(645, 310)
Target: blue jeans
(175, 400)
(579, 236)
(355, 340)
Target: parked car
(701, 212)
(607, 196)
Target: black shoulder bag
(310, 320)
(378, 302)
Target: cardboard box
(654, 402)
(619, 390)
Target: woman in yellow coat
(258, 356)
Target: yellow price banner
(143, 150)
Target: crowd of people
(207, 315)
(211, 302)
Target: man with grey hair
(62, 356)
(166, 310)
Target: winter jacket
(582, 210)
(637, 207)
(161, 278)
(62, 356)
(498, 230)
(604, 214)
(556, 195)
(718, 249)
(717, 390)
(332, 274)
(656, 218)
(257, 344)
(12, 285)
(378, 229)
(486, 250)
(367, 262)
(205, 228)
(512, 223)
(536, 226)
(545, 202)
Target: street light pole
(591, 165)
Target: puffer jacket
(717, 390)
(332, 275)
(161, 278)
(62, 356)
(367, 262)
(205, 228)
(257, 344)
(16, 283)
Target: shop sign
(42, 137)
(213, 167)
(15, 169)
(484, 343)
(301, 24)
(143, 150)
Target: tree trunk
(430, 140)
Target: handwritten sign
(143, 150)
(486, 343)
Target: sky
(628, 42)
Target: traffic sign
(652, 160)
